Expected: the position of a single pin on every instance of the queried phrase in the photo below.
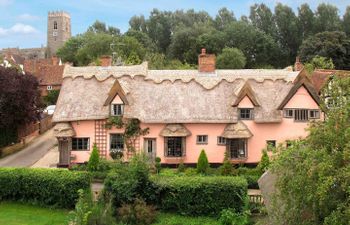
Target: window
(55, 25)
(221, 141)
(288, 113)
(314, 114)
(80, 144)
(202, 139)
(49, 88)
(246, 114)
(301, 115)
(237, 148)
(117, 142)
(117, 109)
(174, 146)
(271, 144)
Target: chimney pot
(106, 60)
(204, 51)
(206, 62)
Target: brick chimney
(106, 60)
(206, 62)
(298, 66)
(55, 60)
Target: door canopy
(63, 130)
(175, 130)
(236, 130)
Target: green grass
(173, 219)
(22, 214)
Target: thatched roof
(170, 96)
(175, 130)
(63, 130)
(237, 130)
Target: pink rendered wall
(117, 100)
(245, 103)
(286, 130)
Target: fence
(45, 124)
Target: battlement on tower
(58, 14)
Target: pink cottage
(238, 111)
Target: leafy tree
(51, 97)
(68, 52)
(346, 21)
(264, 162)
(327, 18)
(159, 61)
(334, 45)
(263, 19)
(202, 164)
(306, 20)
(100, 27)
(223, 18)
(313, 175)
(19, 98)
(138, 23)
(94, 159)
(231, 58)
(319, 62)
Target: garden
(137, 192)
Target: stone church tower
(58, 31)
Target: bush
(137, 213)
(42, 186)
(230, 217)
(191, 172)
(201, 195)
(226, 169)
(264, 162)
(181, 167)
(94, 159)
(252, 176)
(158, 165)
(202, 164)
(130, 181)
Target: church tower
(58, 31)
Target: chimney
(55, 60)
(206, 62)
(298, 66)
(106, 60)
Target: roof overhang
(237, 130)
(175, 130)
(62, 130)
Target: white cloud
(5, 2)
(27, 17)
(18, 28)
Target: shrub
(252, 176)
(202, 164)
(137, 213)
(130, 181)
(94, 159)
(158, 165)
(82, 208)
(42, 186)
(226, 169)
(230, 217)
(201, 195)
(191, 172)
(264, 162)
(181, 167)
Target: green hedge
(201, 195)
(54, 187)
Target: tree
(327, 18)
(264, 162)
(346, 21)
(68, 52)
(100, 27)
(334, 45)
(313, 175)
(306, 20)
(223, 18)
(231, 58)
(202, 164)
(94, 159)
(263, 19)
(288, 30)
(226, 169)
(319, 62)
(51, 97)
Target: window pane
(237, 148)
(174, 147)
(246, 113)
(117, 142)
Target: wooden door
(64, 151)
(150, 148)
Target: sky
(23, 23)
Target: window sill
(202, 143)
(80, 150)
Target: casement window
(271, 144)
(301, 115)
(314, 114)
(288, 113)
(174, 146)
(221, 140)
(202, 139)
(116, 142)
(80, 144)
(237, 148)
(117, 109)
(246, 114)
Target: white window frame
(82, 149)
(202, 139)
(251, 113)
(113, 111)
(221, 140)
(316, 112)
(286, 113)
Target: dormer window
(246, 113)
(117, 109)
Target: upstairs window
(246, 114)
(288, 113)
(301, 115)
(55, 25)
(202, 139)
(314, 114)
(80, 144)
(117, 109)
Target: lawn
(173, 219)
(21, 214)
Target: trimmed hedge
(54, 187)
(201, 195)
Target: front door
(64, 151)
(150, 148)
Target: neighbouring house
(49, 73)
(238, 111)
